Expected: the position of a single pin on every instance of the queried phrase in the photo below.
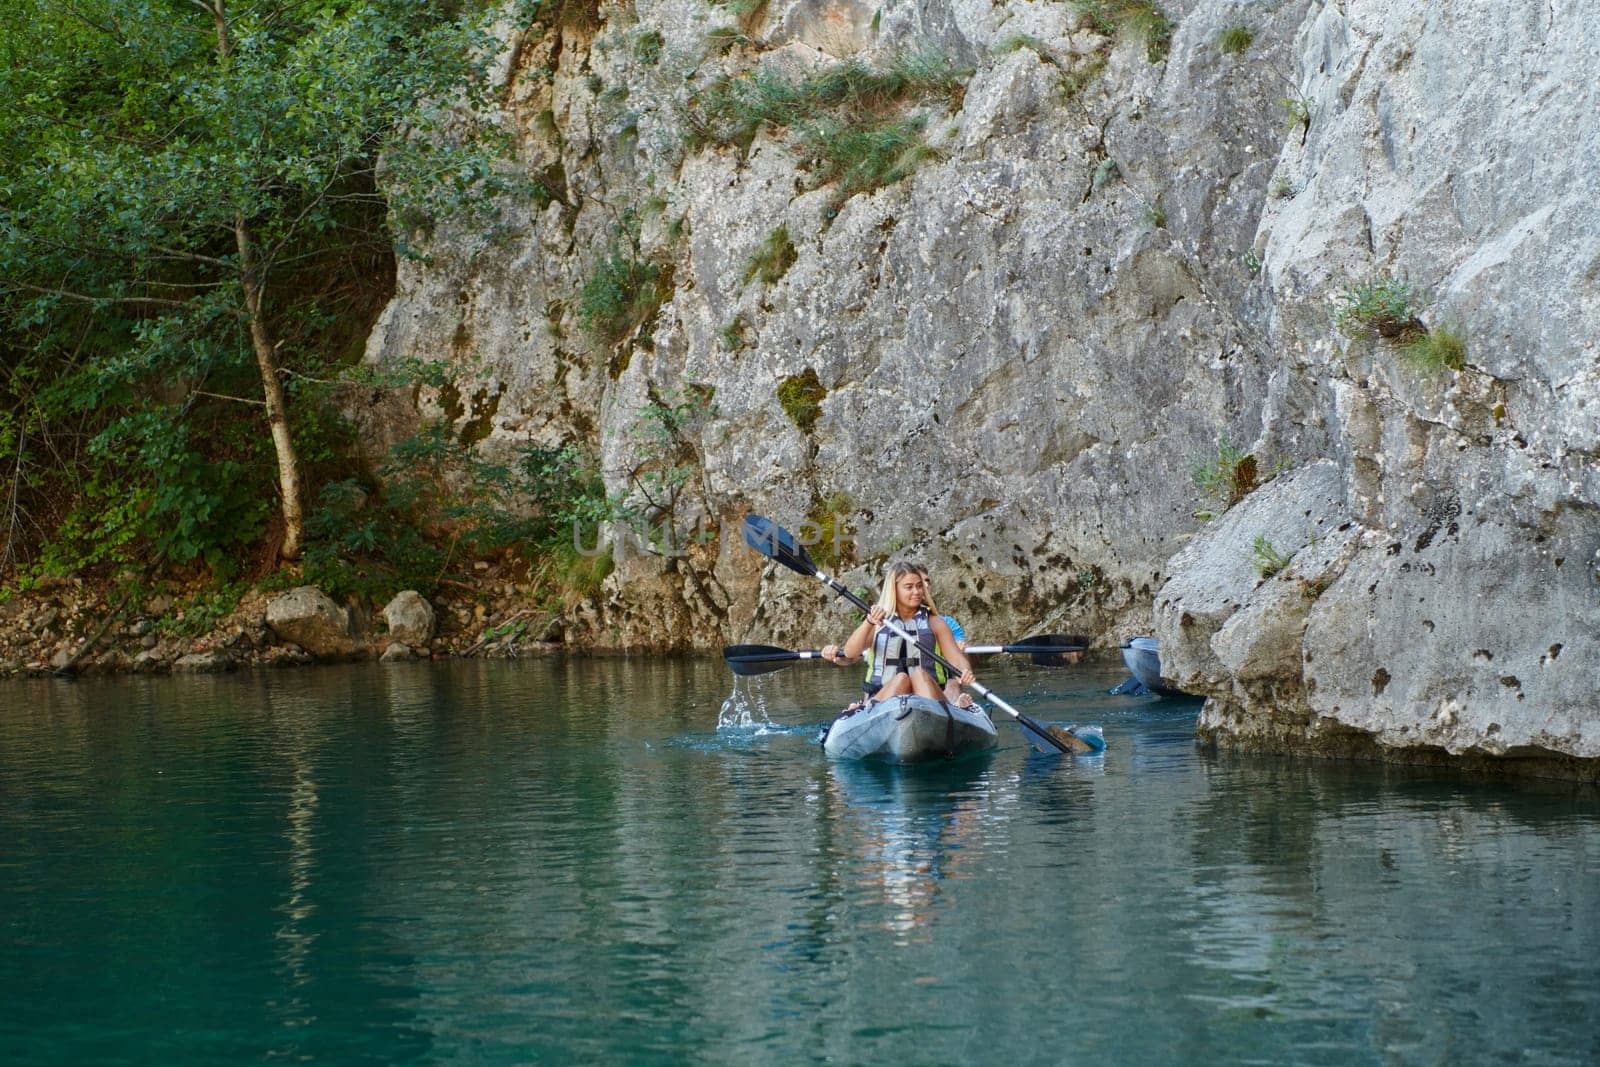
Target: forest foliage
(200, 204)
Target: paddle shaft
(1049, 650)
(784, 655)
(894, 627)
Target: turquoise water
(567, 862)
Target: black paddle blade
(749, 668)
(751, 660)
(756, 652)
(1056, 657)
(778, 545)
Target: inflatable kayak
(909, 729)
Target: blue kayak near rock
(1143, 657)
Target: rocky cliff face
(1103, 255)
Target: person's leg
(923, 685)
(899, 685)
(954, 694)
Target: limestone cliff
(1112, 245)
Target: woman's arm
(862, 637)
(951, 650)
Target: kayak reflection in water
(898, 666)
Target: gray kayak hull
(909, 729)
(1143, 657)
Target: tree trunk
(272, 389)
(266, 352)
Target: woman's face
(908, 591)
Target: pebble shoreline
(44, 631)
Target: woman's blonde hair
(896, 570)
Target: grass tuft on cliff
(622, 294)
(1381, 305)
(772, 258)
(849, 120)
(1437, 349)
(1141, 19)
(1236, 40)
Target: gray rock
(1025, 346)
(410, 618)
(286, 656)
(215, 661)
(396, 652)
(307, 617)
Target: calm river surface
(567, 861)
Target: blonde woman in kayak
(901, 666)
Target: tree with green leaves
(192, 233)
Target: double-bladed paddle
(780, 546)
(750, 660)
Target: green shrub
(801, 396)
(1440, 347)
(1235, 40)
(1381, 305)
(772, 258)
(1156, 215)
(199, 614)
(624, 293)
(439, 503)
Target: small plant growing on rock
(800, 396)
(745, 12)
(1236, 40)
(1381, 305)
(1073, 82)
(1105, 172)
(733, 333)
(1139, 18)
(1017, 42)
(1156, 215)
(1268, 559)
(624, 293)
(1224, 478)
(647, 47)
(843, 117)
(831, 517)
(1440, 347)
(772, 258)
(1281, 189)
(1296, 113)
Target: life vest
(891, 654)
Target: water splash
(745, 708)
